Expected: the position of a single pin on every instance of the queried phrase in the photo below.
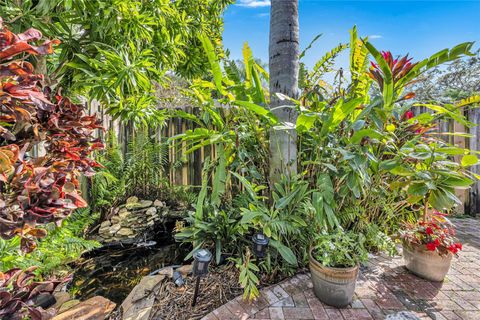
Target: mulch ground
(217, 288)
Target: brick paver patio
(384, 287)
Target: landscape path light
(201, 261)
(260, 245)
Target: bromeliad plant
(38, 189)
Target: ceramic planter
(426, 264)
(333, 286)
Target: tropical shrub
(38, 189)
(353, 135)
(121, 52)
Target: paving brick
(447, 305)
(263, 314)
(384, 287)
(357, 314)
(373, 309)
(237, 310)
(285, 302)
(334, 314)
(389, 303)
(297, 313)
(317, 308)
(300, 300)
(224, 314)
(276, 313)
(468, 315)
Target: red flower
(453, 249)
(458, 245)
(407, 115)
(431, 246)
(429, 230)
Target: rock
(115, 219)
(125, 232)
(168, 271)
(139, 205)
(115, 228)
(151, 211)
(68, 305)
(185, 270)
(61, 298)
(104, 230)
(96, 308)
(158, 203)
(122, 210)
(138, 305)
(105, 223)
(124, 215)
(132, 200)
(145, 204)
(402, 315)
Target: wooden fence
(186, 170)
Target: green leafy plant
(340, 249)
(60, 247)
(247, 278)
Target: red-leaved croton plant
(38, 189)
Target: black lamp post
(260, 244)
(201, 262)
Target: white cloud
(375, 36)
(253, 3)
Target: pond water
(113, 270)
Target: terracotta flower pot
(333, 286)
(426, 264)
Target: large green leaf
(340, 111)
(438, 58)
(220, 176)
(286, 253)
(305, 122)
(261, 111)
(213, 60)
(469, 160)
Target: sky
(420, 28)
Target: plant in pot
(334, 266)
(430, 179)
(429, 246)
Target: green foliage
(140, 172)
(357, 154)
(340, 249)
(247, 278)
(62, 245)
(117, 51)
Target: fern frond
(325, 64)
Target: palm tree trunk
(283, 67)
